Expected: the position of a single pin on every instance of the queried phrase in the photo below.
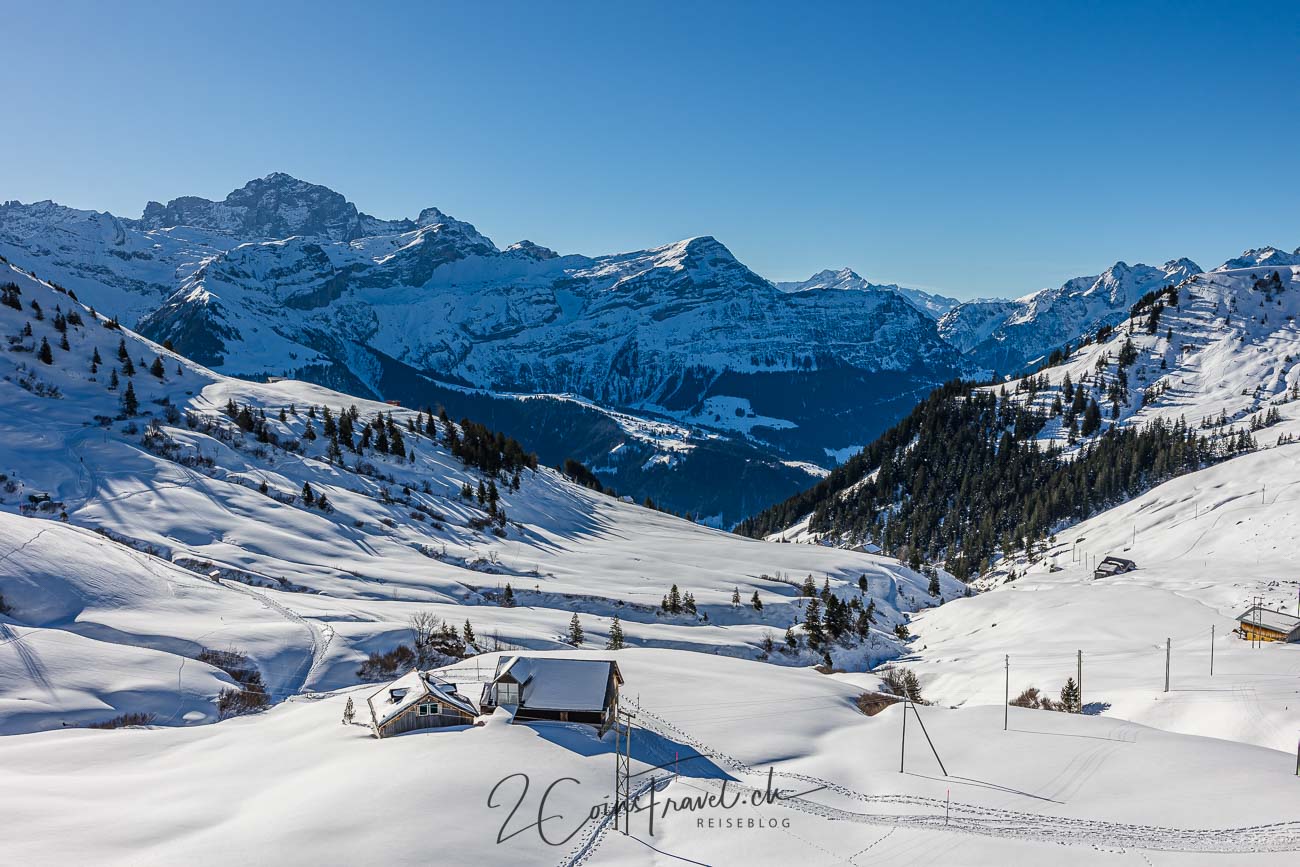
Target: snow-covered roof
(1278, 621)
(559, 684)
(410, 689)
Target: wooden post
(1211, 650)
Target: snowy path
(293, 684)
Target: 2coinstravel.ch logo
(557, 829)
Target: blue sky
(972, 151)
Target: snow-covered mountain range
(287, 278)
(761, 386)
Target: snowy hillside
(151, 534)
(1206, 545)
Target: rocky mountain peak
(528, 250)
(276, 206)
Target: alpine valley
(674, 373)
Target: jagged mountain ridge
(1006, 336)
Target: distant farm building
(1113, 566)
(1258, 623)
(418, 701)
(547, 688)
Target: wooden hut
(1260, 624)
(1113, 566)
(550, 688)
(418, 700)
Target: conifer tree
(575, 630)
(508, 598)
(157, 367)
(1070, 697)
(349, 711)
(44, 355)
(735, 597)
(308, 496)
(756, 602)
(113, 381)
(468, 634)
(812, 623)
(791, 640)
(122, 354)
(615, 641)
(130, 405)
(934, 585)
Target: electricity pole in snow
(1167, 650)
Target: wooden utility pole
(1080, 681)
(1167, 654)
(902, 751)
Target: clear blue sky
(943, 146)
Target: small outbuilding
(1258, 623)
(418, 700)
(1113, 566)
(549, 688)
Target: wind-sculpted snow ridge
(155, 512)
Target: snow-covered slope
(207, 541)
(1206, 544)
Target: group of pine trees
(962, 478)
(676, 602)
(11, 296)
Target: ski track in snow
(984, 821)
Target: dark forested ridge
(962, 478)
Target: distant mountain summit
(845, 278)
(1006, 336)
